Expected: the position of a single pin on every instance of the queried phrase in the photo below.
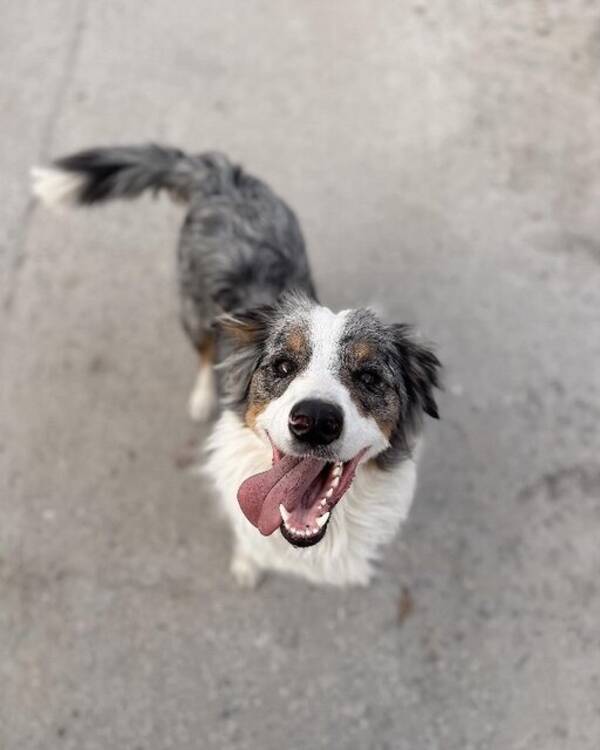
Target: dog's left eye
(368, 378)
(283, 367)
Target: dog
(321, 413)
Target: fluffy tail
(103, 174)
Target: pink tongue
(286, 482)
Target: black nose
(316, 422)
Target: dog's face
(328, 391)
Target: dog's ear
(245, 328)
(420, 370)
(244, 337)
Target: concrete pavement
(445, 162)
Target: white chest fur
(366, 518)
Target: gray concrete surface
(445, 161)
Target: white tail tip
(55, 187)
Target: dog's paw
(203, 400)
(245, 572)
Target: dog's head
(328, 391)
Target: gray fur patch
(391, 376)
(240, 248)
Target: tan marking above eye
(363, 350)
(296, 340)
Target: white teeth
(308, 532)
(323, 502)
(335, 482)
(329, 493)
(337, 470)
(285, 514)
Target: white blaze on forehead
(321, 380)
(326, 328)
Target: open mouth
(296, 495)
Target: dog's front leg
(244, 569)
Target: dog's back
(240, 246)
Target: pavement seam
(17, 262)
(19, 255)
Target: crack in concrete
(19, 255)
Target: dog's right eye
(283, 367)
(368, 378)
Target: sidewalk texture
(444, 159)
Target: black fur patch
(127, 171)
